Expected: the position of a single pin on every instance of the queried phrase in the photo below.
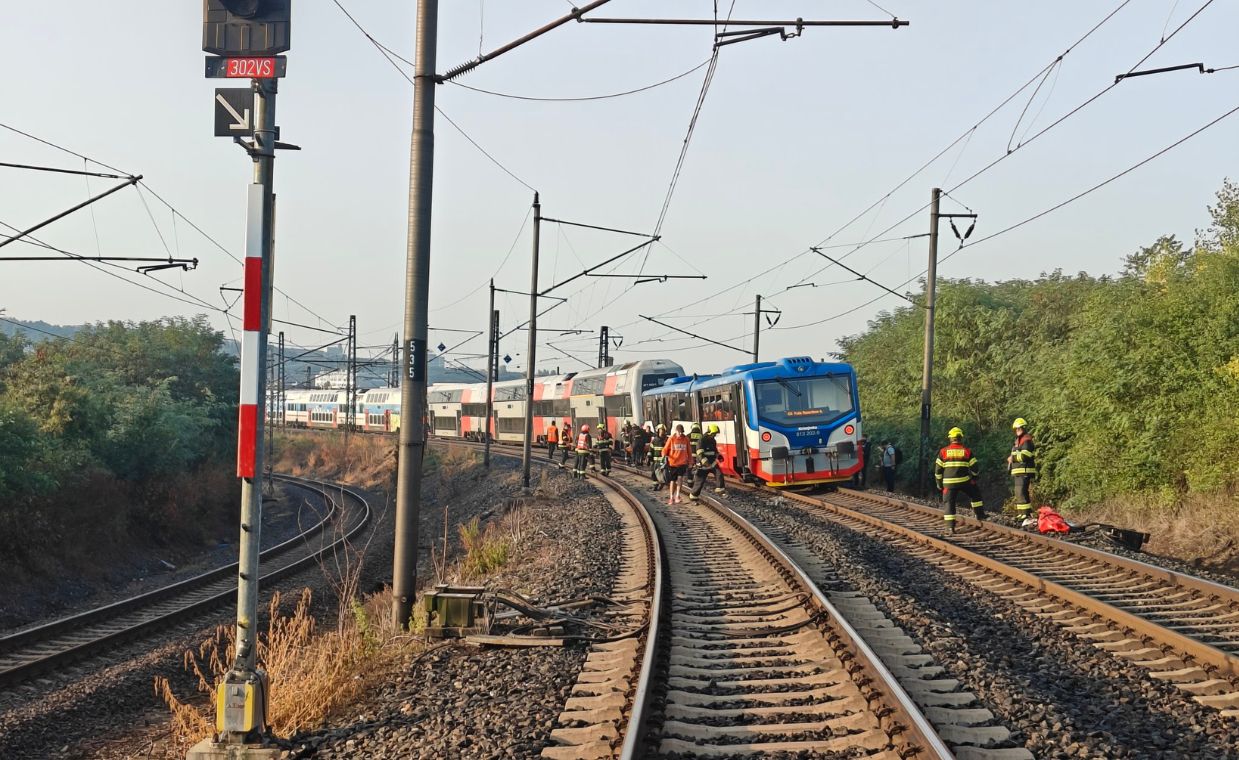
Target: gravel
(1060, 696)
(459, 701)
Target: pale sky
(794, 140)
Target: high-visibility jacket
(1024, 456)
(955, 465)
(584, 442)
(656, 445)
(707, 451)
(678, 449)
(602, 444)
(694, 438)
(552, 434)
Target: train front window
(656, 380)
(794, 402)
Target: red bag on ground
(1049, 521)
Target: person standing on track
(1022, 464)
(639, 439)
(567, 436)
(657, 445)
(694, 441)
(863, 475)
(889, 460)
(679, 456)
(552, 441)
(707, 463)
(584, 442)
(605, 446)
(955, 472)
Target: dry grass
(1202, 529)
(364, 460)
(315, 676)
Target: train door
(741, 429)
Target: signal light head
(849, 429)
(243, 8)
(765, 437)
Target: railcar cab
(804, 421)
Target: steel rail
(1227, 593)
(642, 692)
(62, 627)
(905, 719)
(27, 636)
(1222, 662)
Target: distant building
(338, 380)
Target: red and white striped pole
(259, 243)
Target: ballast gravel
(461, 701)
(1061, 697)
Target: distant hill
(315, 362)
(37, 331)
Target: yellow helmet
(1020, 422)
(662, 428)
(696, 427)
(712, 429)
(955, 433)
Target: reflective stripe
(956, 481)
(976, 504)
(1023, 471)
(948, 517)
(1023, 507)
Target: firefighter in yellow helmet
(955, 472)
(1022, 464)
(707, 463)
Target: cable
(580, 99)
(966, 135)
(499, 268)
(389, 55)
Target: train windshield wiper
(788, 386)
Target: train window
(561, 407)
(476, 410)
(654, 381)
(590, 386)
(804, 400)
(618, 406)
(512, 425)
(444, 423)
(718, 404)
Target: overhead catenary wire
(966, 135)
(584, 98)
(391, 58)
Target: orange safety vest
(552, 434)
(677, 451)
(583, 442)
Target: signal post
(245, 38)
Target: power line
(391, 58)
(579, 99)
(965, 135)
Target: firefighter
(552, 441)
(679, 457)
(1022, 464)
(657, 443)
(584, 442)
(605, 446)
(640, 439)
(955, 472)
(707, 463)
(694, 441)
(567, 436)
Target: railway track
(54, 645)
(1184, 630)
(743, 656)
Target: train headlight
(765, 437)
(849, 429)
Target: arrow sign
(234, 108)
